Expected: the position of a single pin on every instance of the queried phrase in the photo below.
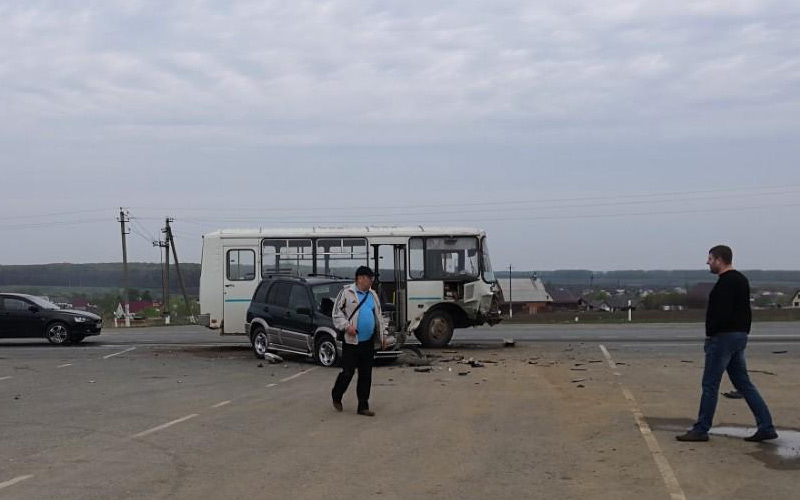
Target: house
(565, 300)
(796, 300)
(528, 295)
(136, 307)
(623, 302)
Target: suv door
(275, 310)
(299, 323)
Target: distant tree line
(108, 275)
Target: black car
(25, 316)
(290, 314)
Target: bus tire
(260, 342)
(436, 329)
(325, 352)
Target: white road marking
(14, 481)
(5, 378)
(162, 427)
(118, 353)
(271, 385)
(220, 405)
(297, 375)
(64, 366)
(670, 479)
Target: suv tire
(325, 352)
(260, 342)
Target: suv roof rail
(283, 275)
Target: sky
(613, 134)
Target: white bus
(431, 280)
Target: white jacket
(343, 308)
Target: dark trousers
(361, 357)
(725, 352)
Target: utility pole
(162, 244)
(510, 295)
(166, 311)
(124, 219)
(171, 241)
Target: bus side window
(416, 256)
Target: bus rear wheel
(436, 329)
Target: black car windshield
(326, 291)
(42, 303)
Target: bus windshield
(488, 273)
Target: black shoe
(762, 436)
(366, 413)
(692, 436)
(337, 405)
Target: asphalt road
(180, 413)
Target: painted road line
(664, 468)
(64, 366)
(165, 426)
(297, 375)
(220, 405)
(5, 378)
(118, 353)
(14, 481)
(271, 385)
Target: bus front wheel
(436, 330)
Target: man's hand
(351, 330)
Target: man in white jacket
(357, 312)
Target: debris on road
(423, 369)
(578, 380)
(464, 374)
(779, 352)
(509, 342)
(763, 372)
(733, 395)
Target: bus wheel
(260, 342)
(325, 352)
(437, 330)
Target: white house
(796, 299)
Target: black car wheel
(58, 333)
(436, 329)
(260, 342)
(325, 352)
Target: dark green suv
(293, 315)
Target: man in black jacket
(728, 320)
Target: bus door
(391, 282)
(239, 284)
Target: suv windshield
(488, 273)
(327, 291)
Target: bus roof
(354, 231)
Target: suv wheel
(325, 352)
(260, 342)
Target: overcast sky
(600, 135)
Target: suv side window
(260, 297)
(299, 298)
(278, 294)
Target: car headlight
(81, 319)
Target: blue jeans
(725, 352)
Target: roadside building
(623, 302)
(565, 300)
(528, 296)
(796, 299)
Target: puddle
(779, 454)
